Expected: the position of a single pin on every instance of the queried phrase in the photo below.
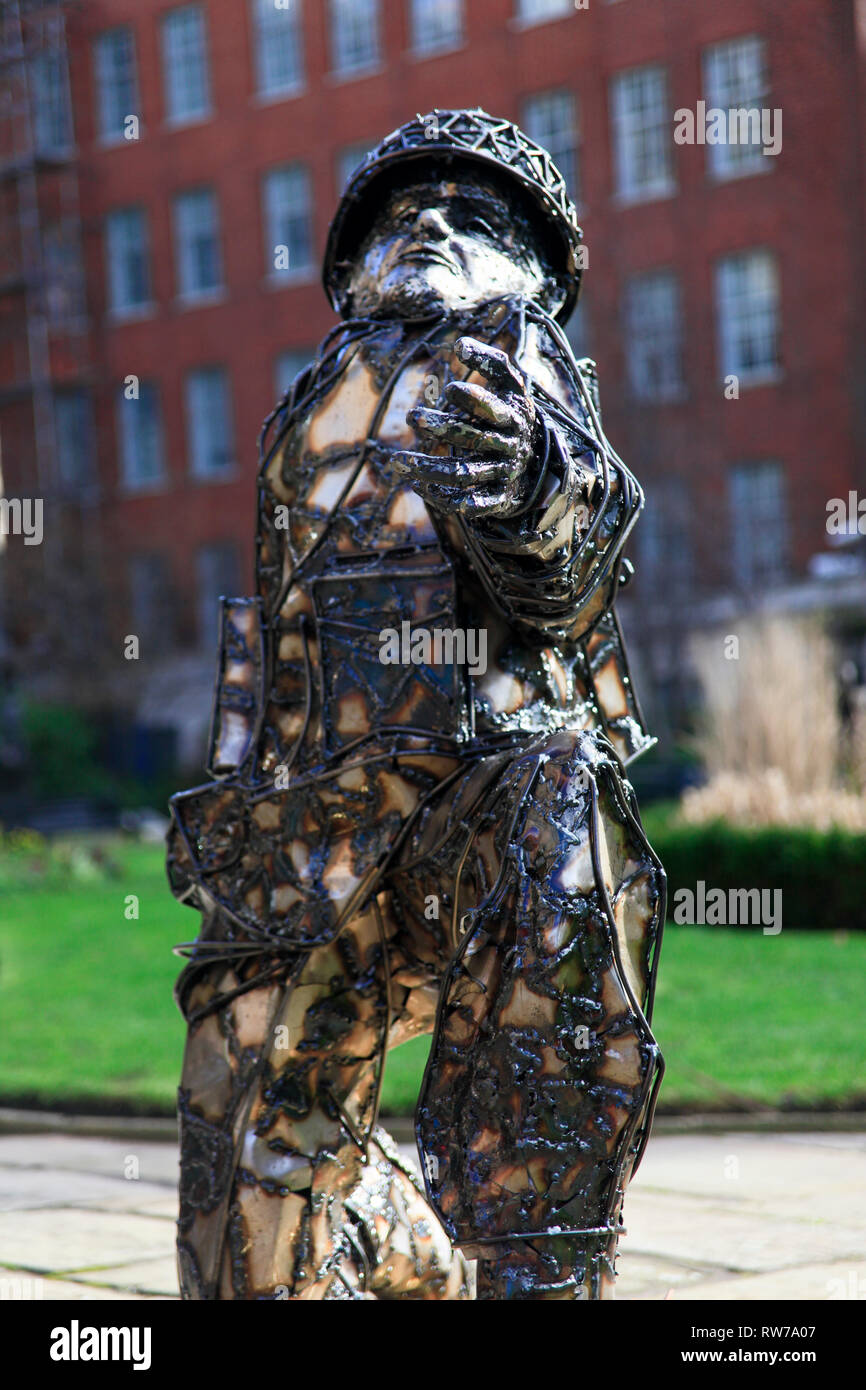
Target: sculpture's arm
(543, 505)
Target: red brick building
(171, 205)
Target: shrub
(822, 874)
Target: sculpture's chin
(409, 297)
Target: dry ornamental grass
(772, 741)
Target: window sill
(200, 299)
(339, 79)
(763, 376)
(272, 98)
(185, 122)
(290, 279)
(150, 488)
(229, 474)
(521, 22)
(729, 175)
(678, 397)
(134, 313)
(115, 142)
(421, 55)
(649, 195)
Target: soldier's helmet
(451, 137)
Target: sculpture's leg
(281, 1194)
(541, 1079)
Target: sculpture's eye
(479, 227)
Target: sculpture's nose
(431, 224)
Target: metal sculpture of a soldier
(397, 840)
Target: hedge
(822, 874)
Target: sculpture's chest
(345, 446)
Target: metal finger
(476, 400)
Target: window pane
(735, 79)
(278, 45)
(642, 133)
(550, 119)
(288, 232)
(116, 81)
(185, 64)
(436, 24)
(209, 423)
(197, 249)
(151, 609)
(128, 260)
(759, 520)
(664, 541)
(747, 296)
(653, 336)
(354, 34)
(140, 437)
(217, 573)
(210, 438)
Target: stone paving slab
(58, 1152)
(687, 1229)
(734, 1216)
(22, 1187)
(813, 1283)
(16, 1284)
(158, 1276)
(67, 1238)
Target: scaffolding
(41, 271)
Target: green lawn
(86, 1013)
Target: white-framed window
(209, 423)
(198, 261)
(759, 524)
(150, 606)
(642, 134)
(75, 440)
(550, 118)
(116, 82)
(665, 553)
(435, 25)
(217, 576)
(355, 40)
(348, 160)
(653, 332)
(747, 309)
(278, 42)
(735, 79)
(287, 221)
(286, 368)
(48, 74)
(538, 11)
(140, 437)
(127, 247)
(185, 67)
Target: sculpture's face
(444, 247)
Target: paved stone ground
(738, 1216)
